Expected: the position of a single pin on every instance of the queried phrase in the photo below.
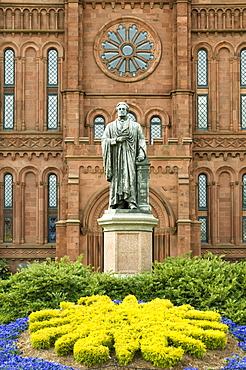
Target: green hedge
(206, 283)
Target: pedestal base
(127, 240)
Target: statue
(123, 144)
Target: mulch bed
(212, 360)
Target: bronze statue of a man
(123, 144)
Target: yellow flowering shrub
(162, 332)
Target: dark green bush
(43, 285)
(4, 270)
(207, 283)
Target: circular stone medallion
(127, 49)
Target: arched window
(202, 83)
(52, 89)
(203, 206)
(243, 89)
(155, 128)
(52, 207)
(132, 117)
(244, 208)
(8, 208)
(99, 125)
(8, 89)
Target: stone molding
(27, 253)
(227, 252)
(127, 220)
(224, 18)
(122, 4)
(45, 18)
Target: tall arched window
(99, 125)
(203, 206)
(8, 208)
(52, 207)
(202, 89)
(244, 208)
(155, 128)
(243, 89)
(52, 89)
(8, 89)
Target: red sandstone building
(64, 65)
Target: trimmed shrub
(162, 356)
(89, 354)
(98, 323)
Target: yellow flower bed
(160, 331)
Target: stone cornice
(122, 3)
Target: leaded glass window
(244, 229)
(243, 112)
(202, 112)
(52, 229)
(204, 228)
(9, 67)
(132, 117)
(243, 68)
(99, 125)
(52, 90)
(52, 112)
(8, 191)
(8, 114)
(155, 128)
(52, 207)
(8, 90)
(244, 192)
(202, 68)
(52, 186)
(8, 208)
(202, 192)
(52, 67)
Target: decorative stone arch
(89, 120)
(9, 45)
(29, 45)
(165, 123)
(227, 169)
(49, 170)
(207, 171)
(224, 45)
(164, 233)
(8, 169)
(201, 45)
(28, 169)
(52, 44)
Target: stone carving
(217, 142)
(31, 142)
(27, 253)
(125, 164)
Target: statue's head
(122, 108)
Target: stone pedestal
(127, 240)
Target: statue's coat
(120, 159)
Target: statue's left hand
(140, 158)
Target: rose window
(127, 51)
